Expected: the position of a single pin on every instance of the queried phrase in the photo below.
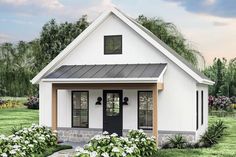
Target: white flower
(105, 133)
(93, 154)
(13, 152)
(114, 135)
(105, 154)
(27, 142)
(129, 150)
(16, 146)
(123, 154)
(143, 139)
(3, 155)
(79, 149)
(115, 150)
(30, 145)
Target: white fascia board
(158, 46)
(161, 77)
(207, 82)
(70, 47)
(103, 80)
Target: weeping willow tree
(169, 34)
(16, 69)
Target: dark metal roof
(108, 71)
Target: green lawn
(225, 148)
(16, 117)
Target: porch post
(155, 112)
(54, 107)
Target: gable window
(196, 110)
(80, 109)
(145, 109)
(202, 106)
(113, 44)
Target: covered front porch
(107, 105)
(105, 98)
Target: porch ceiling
(107, 72)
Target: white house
(115, 76)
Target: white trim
(161, 77)
(103, 80)
(93, 26)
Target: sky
(208, 25)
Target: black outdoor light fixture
(126, 99)
(99, 99)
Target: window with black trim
(145, 109)
(202, 107)
(80, 107)
(113, 44)
(197, 110)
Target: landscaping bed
(225, 147)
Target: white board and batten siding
(176, 103)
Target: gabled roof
(142, 31)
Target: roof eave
(207, 82)
(101, 80)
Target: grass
(16, 117)
(52, 150)
(225, 148)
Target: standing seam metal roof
(108, 71)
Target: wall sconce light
(126, 99)
(99, 100)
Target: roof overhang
(104, 80)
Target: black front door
(112, 111)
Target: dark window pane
(113, 44)
(145, 110)
(80, 109)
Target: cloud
(30, 6)
(221, 8)
(218, 23)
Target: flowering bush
(136, 144)
(9, 104)
(146, 145)
(27, 141)
(32, 103)
(221, 102)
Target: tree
(169, 34)
(55, 37)
(224, 75)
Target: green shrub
(213, 134)
(15, 129)
(136, 144)
(177, 141)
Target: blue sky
(209, 25)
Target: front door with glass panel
(112, 111)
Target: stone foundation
(77, 134)
(84, 135)
(163, 136)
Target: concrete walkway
(64, 153)
(68, 152)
